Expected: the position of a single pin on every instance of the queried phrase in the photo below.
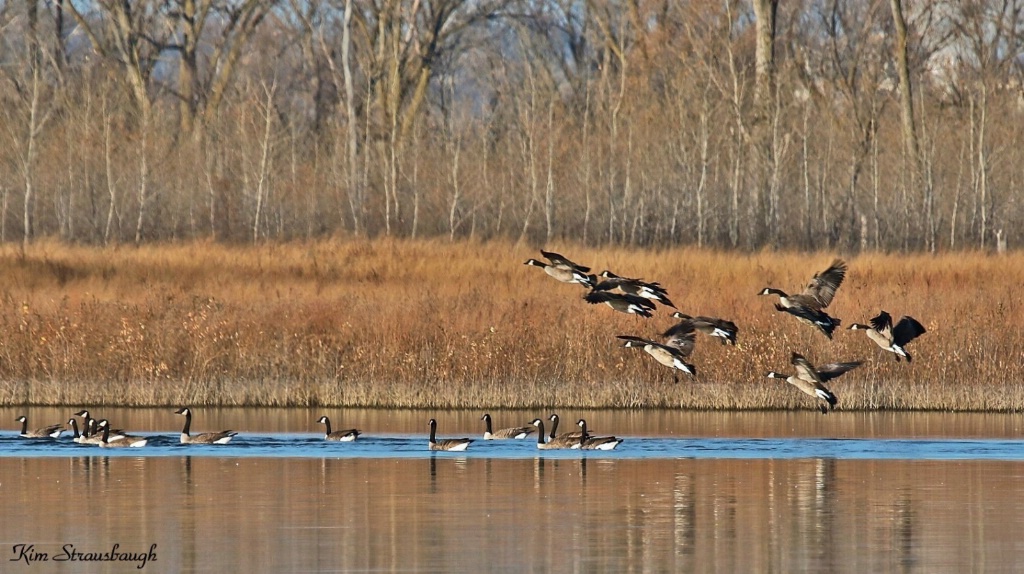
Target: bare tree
(230, 26)
(29, 111)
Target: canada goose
(52, 431)
(588, 442)
(84, 438)
(638, 287)
(621, 302)
(90, 434)
(86, 421)
(516, 432)
(127, 441)
(670, 356)
(563, 269)
(724, 330)
(807, 305)
(573, 436)
(342, 435)
(76, 437)
(892, 338)
(222, 437)
(809, 379)
(555, 443)
(452, 444)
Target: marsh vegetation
(399, 323)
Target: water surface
(751, 492)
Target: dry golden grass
(439, 325)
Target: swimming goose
(515, 432)
(341, 435)
(621, 302)
(555, 443)
(91, 434)
(809, 379)
(724, 330)
(222, 437)
(588, 442)
(126, 441)
(889, 337)
(630, 286)
(76, 437)
(817, 295)
(452, 444)
(669, 355)
(573, 436)
(94, 438)
(563, 269)
(52, 431)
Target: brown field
(434, 324)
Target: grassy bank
(433, 324)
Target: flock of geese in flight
(638, 297)
(625, 295)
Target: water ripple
(295, 445)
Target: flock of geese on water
(98, 432)
(625, 295)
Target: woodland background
(809, 124)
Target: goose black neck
(487, 421)
(188, 423)
(327, 423)
(74, 428)
(433, 431)
(540, 432)
(554, 426)
(24, 426)
(106, 433)
(583, 432)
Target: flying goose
(669, 355)
(222, 437)
(889, 337)
(817, 295)
(516, 432)
(809, 379)
(724, 330)
(555, 443)
(126, 441)
(341, 435)
(588, 442)
(573, 436)
(52, 431)
(638, 287)
(621, 302)
(452, 444)
(563, 269)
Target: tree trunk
(764, 53)
(911, 140)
